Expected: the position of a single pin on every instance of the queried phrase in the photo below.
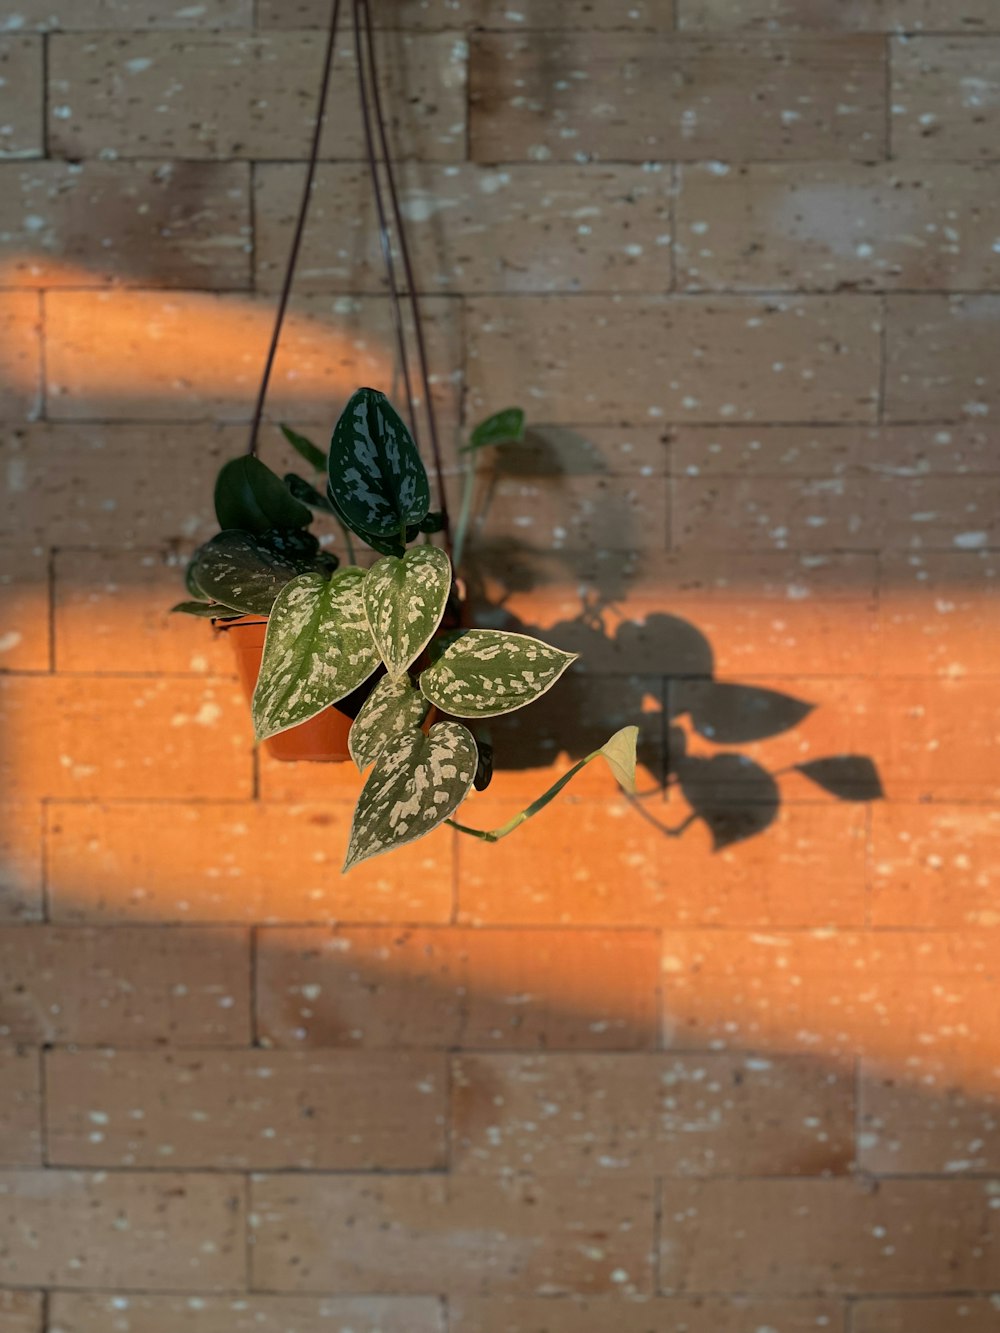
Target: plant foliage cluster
(333, 630)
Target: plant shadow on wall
(733, 795)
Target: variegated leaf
(376, 476)
(393, 707)
(417, 782)
(485, 672)
(239, 570)
(318, 648)
(405, 600)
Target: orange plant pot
(323, 739)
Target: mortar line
(888, 97)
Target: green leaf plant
(332, 631)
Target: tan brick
(852, 15)
(500, 989)
(105, 736)
(963, 1314)
(826, 452)
(235, 862)
(853, 511)
(114, 15)
(133, 94)
(24, 607)
(650, 1115)
(640, 98)
(901, 998)
(183, 224)
(938, 613)
(112, 614)
(930, 739)
(20, 355)
(550, 451)
(182, 987)
(21, 1109)
(656, 15)
(92, 1313)
(20, 862)
(195, 355)
(938, 364)
(398, 1234)
(22, 92)
(553, 227)
(626, 869)
(693, 612)
(22, 1311)
(935, 867)
(732, 1314)
(794, 226)
(575, 513)
(591, 359)
(134, 1230)
(828, 1235)
(230, 1110)
(116, 485)
(941, 111)
(926, 1128)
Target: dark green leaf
(484, 768)
(241, 571)
(433, 522)
(417, 782)
(207, 610)
(317, 650)
(313, 455)
(506, 427)
(306, 493)
(252, 498)
(377, 480)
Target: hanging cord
(286, 286)
(383, 228)
(362, 9)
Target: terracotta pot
(323, 739)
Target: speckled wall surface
(724, 1059)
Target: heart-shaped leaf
(620, 753)
(318, 648)
(252, 498)
(305, 448)
(485, 672)
(377, 479)
(241, 571)
(417, 782)
(506, 427)
(405, 601)
(307, 493)
(392, 708)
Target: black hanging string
(385, 239)
(363, 7)
(293, 255)
(371, 110)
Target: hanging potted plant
(369, 648)
(374, 664)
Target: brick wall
(723, 1062)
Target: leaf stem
(494, 835)
(468, 491)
